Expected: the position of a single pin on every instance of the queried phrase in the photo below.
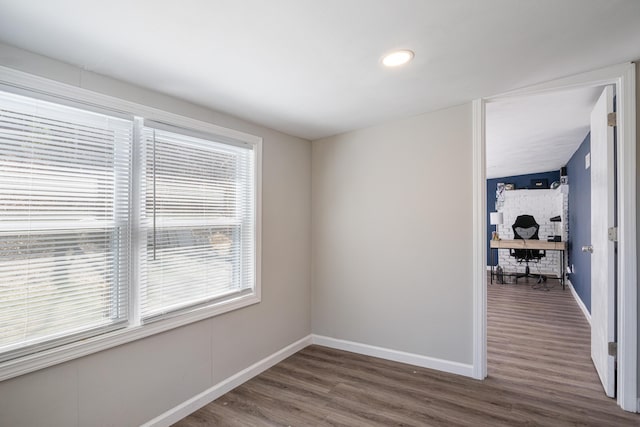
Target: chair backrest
(525, 228)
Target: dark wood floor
(540, 373)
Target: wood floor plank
(540, 373)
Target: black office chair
(526, 228)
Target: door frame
(623, 77)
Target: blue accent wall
(520, 182)
(580, 222)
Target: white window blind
(197, 221)
(109, 221)
(64, 209)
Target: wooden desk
(531, 244)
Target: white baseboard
(177, 413)
(180, 411)
(586, 313)
(395, 355)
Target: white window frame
(19, 82)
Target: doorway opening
(622, 78)
(539, 151)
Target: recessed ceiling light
(397, 57)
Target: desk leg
(562, 269)
(491, 249)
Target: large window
(108, 222)
(64, 180)
(197, 220)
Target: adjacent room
(319, 213)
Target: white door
(602, 257)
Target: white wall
(134, 383)
(391, 233)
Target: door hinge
(613, 349)
(612, 119)
(613, 234)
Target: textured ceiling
(537, 133)
(312, 68)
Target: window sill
(44, 359)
